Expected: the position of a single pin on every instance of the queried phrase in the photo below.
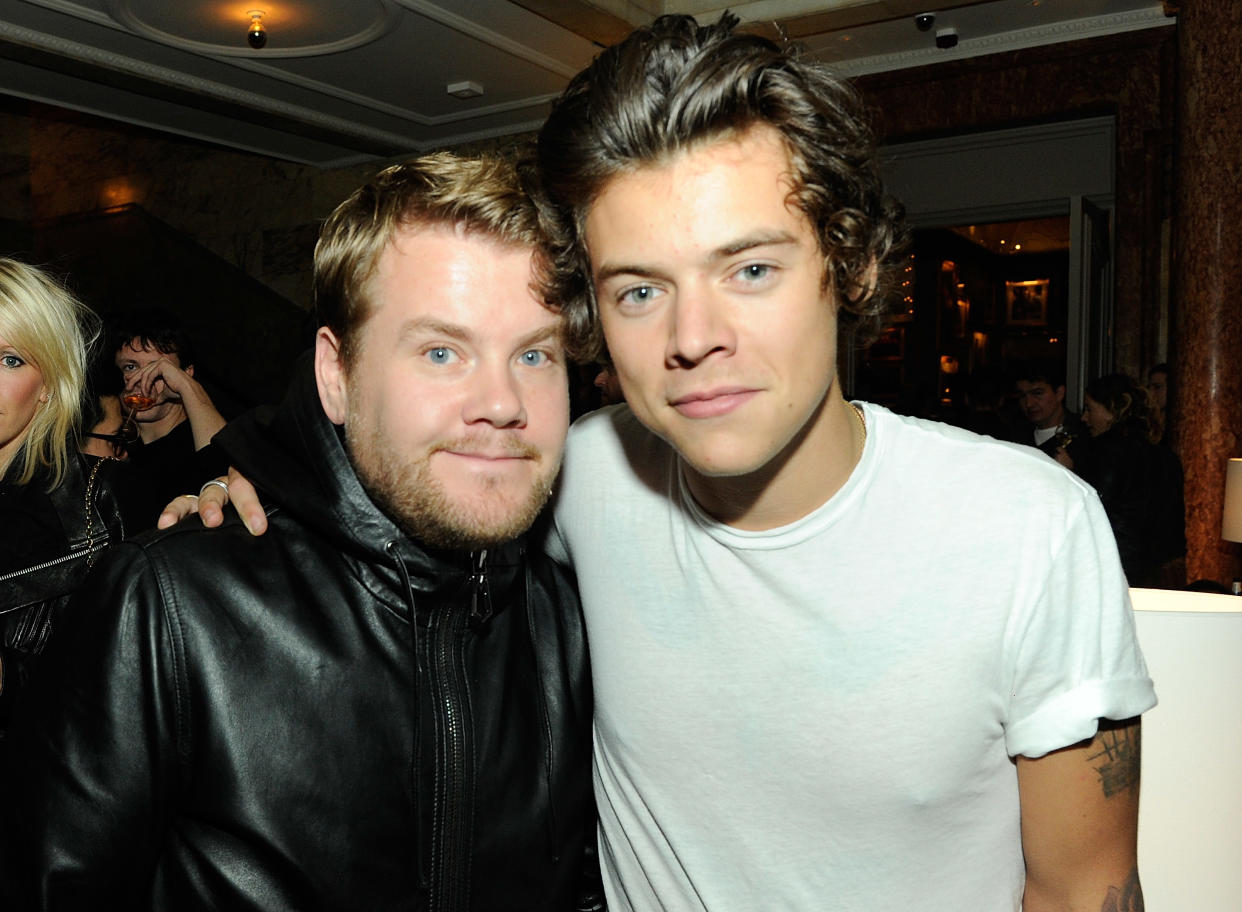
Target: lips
(488, 452)
(485, 457)
(714, 402)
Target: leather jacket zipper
(454, 809)
(480, 594)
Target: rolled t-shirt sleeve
(1075, 654)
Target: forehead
(703, 193)
(133, 351)
(446, 274)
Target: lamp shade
(1231, 526)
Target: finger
(177, 510)
(246, 501)
(211, 513)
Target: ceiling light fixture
(256, 37)
(466, 89)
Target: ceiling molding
(384, 22)
(1054, 33)
(164, 76)
(494, 39)
(375, 84)
(583, 19)
(372, 104)
(253, 63)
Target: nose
(700, 327)
(495, 397)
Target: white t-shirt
(822, 716)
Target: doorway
(1011, 260)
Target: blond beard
(408, 492)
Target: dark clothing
(1140, 485)
(1071, 429)
(159, 471)
(48, 539)
(255, 723)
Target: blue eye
(639, 294)
(11, 361)
(755, 271)
(439, 355)
(534, 357)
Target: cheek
(23, 396)
(547, 406)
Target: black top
(159, 471)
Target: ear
(330, 376)
(1060, 393)
(189, 371)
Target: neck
(150, 431)
(1054, 422)
(798, 481)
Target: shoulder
(190, 553)
(908, 440)
(970, 474)
(612, 441)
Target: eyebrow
(435, 326)
(465, 334)
(554, 331)
(607, 271)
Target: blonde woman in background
(56, 507)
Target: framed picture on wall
(1026, 303)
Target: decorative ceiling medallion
(295, 28)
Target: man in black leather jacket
(384, 703)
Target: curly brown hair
(675, 84)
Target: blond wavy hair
(52, 330)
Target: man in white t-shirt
(825, 677)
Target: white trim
(487, 36)
(251, 61)
(1053, 33)
(163, 75)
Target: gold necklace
(862, 426)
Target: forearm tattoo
(1127, 898)
(1118, 761)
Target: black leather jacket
(48, 541)
(255, 723)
